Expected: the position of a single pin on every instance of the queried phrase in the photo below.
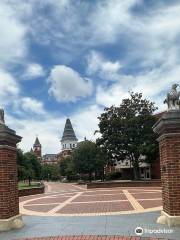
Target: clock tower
(37, 149)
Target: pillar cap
(168, 123)
(8, 136)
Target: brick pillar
(168, 128)
(9, 200)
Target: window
(70, 145)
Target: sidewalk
(122, 225)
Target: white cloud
(153, 36)
(113, 95)
(11, 96)
(67, 85)
(89, 24)
(153, 84)
(86, 122)
(9, 88)
(32, 105)
(33, 70)
(13, 35)
(109, 20)
(97, 64)
(153, 49)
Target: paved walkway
(72, 210)
(122, 225)
(74, 200)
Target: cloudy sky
(71, 58)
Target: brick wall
(9, 201)
(154, 183)
(170, 174)
(168, 128)
(31, 191)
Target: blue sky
(66, 58)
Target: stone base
(15, 222)
(171, 221)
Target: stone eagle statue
(173, 98)
(2, 121)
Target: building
(126, 169)
(68, 141)
(45, 159)
(147, 171)
(49, 159)
(37, 149)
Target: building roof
(37, 143)
(50, 157)
(68, 133)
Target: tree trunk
(103, 177)
(90, 176)
(29, 180)
(136, 170)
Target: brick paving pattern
(41, 208)
(85, 198)
(96, 207)
(146, 195)
(70, 199)
(152, 203)
(50, 200)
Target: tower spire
(69, 139)
(68, 133)
(37, 142)
(37, 148)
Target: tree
(33, 164)
(126, 131)
(50, 172)
(87, 158)
(29, 166)
(101, 162)
(67, 168)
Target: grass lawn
(24, 185)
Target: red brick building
(37, 149)
(68, 143)
(49, 159)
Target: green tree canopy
(29, 166)
(34, 164)
(67, 167)
(88, 158)
(126, 131)
(50, 172)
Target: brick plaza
(68, 200)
